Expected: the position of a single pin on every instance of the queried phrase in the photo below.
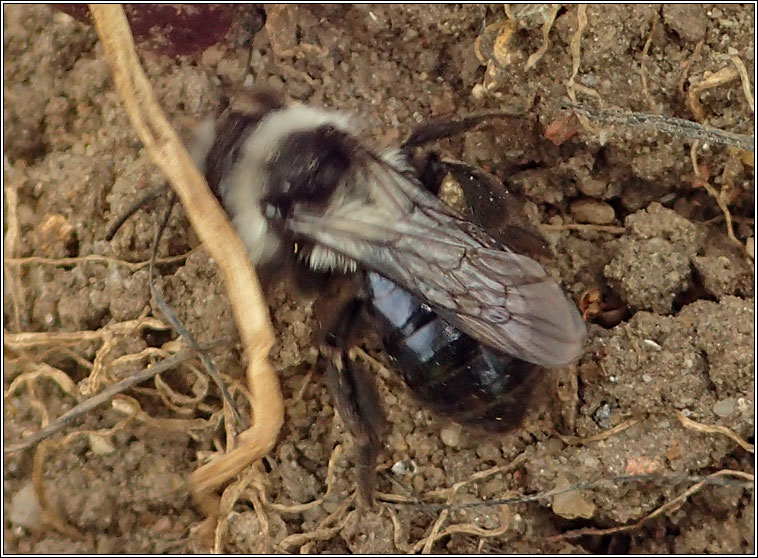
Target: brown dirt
(75, 163)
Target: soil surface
(635, 236)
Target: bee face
(307, 167)
(261, 161)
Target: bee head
(307, 167)
(266, 160)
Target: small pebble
(163, 525)
(488, 451)
(25, 509)
(571, 504)
(688, 21)
(591, 211)
(405, 467)
(418, 484)
(101, 445)
(652, 344)
(591, 187)
(591, 462)
(724, 408)
(601, 415)
(451, 436)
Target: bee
(467, 320)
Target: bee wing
(503, 299)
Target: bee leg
(429, 168)
(284, 268)
(114, 227)
(493, 206)
(498, 209)
(440, 128)
(357, 401)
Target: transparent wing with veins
(388, 223)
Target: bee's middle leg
(356, 398)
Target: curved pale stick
(223, 245)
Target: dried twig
(666, 124)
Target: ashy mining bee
(467, 320)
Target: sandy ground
(673, 339)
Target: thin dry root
(714, 429)
(300, 508)
(96, 258)
(725, 75)
(29, 340)
(49, 514)
(468, 529)
(322, 532)
(230, 496)
(450, 491)
(718, 196)
(425, 544)
(85, 406)
(745, 80)
(572, 87)
(668, 506)
(398, 533)
(604, 435)
(224, 246)
(643, 72)
(582, 227)
(10, 242)
(549, 20)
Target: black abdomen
(449, 371)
